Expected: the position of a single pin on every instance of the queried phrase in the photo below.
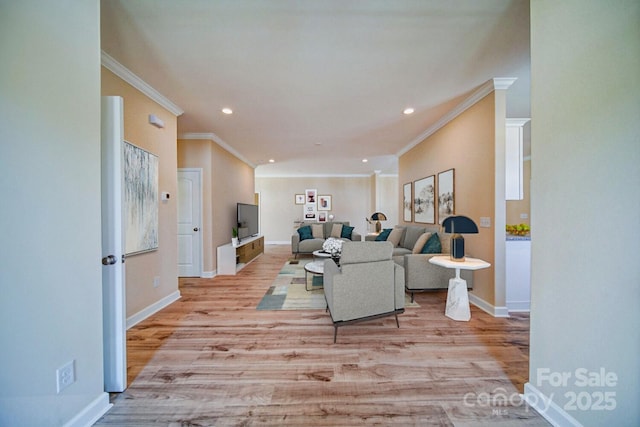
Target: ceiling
(318, 86)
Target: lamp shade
(379, 216)
(459, 225)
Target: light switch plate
(485, 222)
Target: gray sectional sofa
(309, 245)
(420, 274)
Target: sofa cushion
(336, 230)
(395, 236)
(384, 234)
(411, 235)
(422, 240)
(346, 232)
(433, 245)
(305, 233)
(316, 230)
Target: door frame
(199, 215)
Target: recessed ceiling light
(227, 110)
(408, 111)
(272, 161)
(364, 160)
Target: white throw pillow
(395, 236)
(336, 230)
(317, 231)
(417, 248)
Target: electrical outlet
(485, 221)
(65, 376)
(524, 216)
(156, 281)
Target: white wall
(585, 199)
(351, 200)
(50, 277)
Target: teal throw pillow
(384, 234)
(432, 246)
(346, 231)
(305, 233)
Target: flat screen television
(247, 220)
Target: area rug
(288, 292)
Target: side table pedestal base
(458, 301)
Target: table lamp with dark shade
(457, 226)
(378, 216)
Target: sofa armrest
(295, 242)
(370, 237)
(356, 237)
(421, 274)
(399, 285)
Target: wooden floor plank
(212, 359)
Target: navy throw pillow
(384, 234)
(305, 233)
(432, 246)
(346, 231)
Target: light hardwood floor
(212, 359)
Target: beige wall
(141, 269)
(226, 181)
(351, 198)
(466, 144)
(585, 199)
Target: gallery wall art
(424, 200)
(140, 199)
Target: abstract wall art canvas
(140, 199)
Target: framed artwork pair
(420, 203)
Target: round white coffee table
(314, 267)
(321, 254)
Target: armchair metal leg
(335, 334)
(397, 322)
(412, 297)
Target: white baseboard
(278, 242)
(91, 413)
(153, 308)
(489, 308)
(208, 274)
(545, 406)
(519, 306)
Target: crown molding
(128, 76)
(517, 122)
(498, 83)
(215, 138)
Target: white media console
(232, 259)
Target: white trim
(486, 307)
(278, 242)
(517, 122)
(128, 76)
(545, 406)
(498, 83)
(208, 274)
(519, 306)
(215, 138)
(153, 308)
(313, 175)
(91, 413)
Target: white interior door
(113, 238)
(190, 222)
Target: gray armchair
(367, 285)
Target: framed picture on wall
(324, 203)
(424, 208)
(299, 199)
(446, 195)
(322, 217)
(407, 202)
(311, 196)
